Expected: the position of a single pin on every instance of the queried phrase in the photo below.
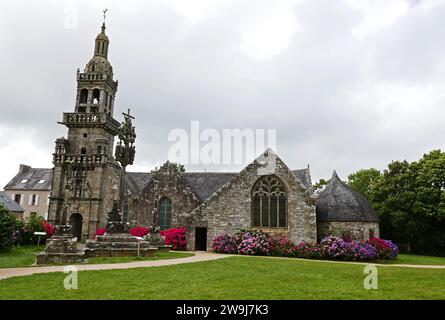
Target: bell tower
(86, 177)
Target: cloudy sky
(347, 84)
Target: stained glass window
(165, 213)
(269, 204)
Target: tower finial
(105, 18)
(105, 14)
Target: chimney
(23, 168)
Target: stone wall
(101, 188)
(359, 230)
(229, 209)
(166, 182)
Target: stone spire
(96, 87)
(102, 42)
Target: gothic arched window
(269, 203)
(165, 213)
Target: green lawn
(234, 278)
(25, 257)
(415, 259)
(158, 256)
(19, 257)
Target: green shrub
(8, 223)
(34, 224)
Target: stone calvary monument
(61, 248)
(116, 242)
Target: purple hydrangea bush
(361, 251)
(394, 250)
(335, 248)
(248, 242)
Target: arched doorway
(76, 224)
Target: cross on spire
(105, 14)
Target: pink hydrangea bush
(139, 231)
(225, 244)
(175, 237)
(284, 248)
(255, 243)
(308, 250)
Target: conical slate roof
(339, 202)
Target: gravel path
(198, 257)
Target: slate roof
(136, 181)
(203, 183)
(10, 204)
(305, 177)
(339, 202)
(32, 177)
(206, 183)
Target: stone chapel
(265, 195)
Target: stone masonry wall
(229, 209)
(359, 230)
(166, 182)
(94, 206)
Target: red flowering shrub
(308, 251)
(49, 228)
(99, 232)
(385, 248)
(139, 231)
(175, 237)
(284, 248)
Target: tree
(393, 199)
(410, 201)
(365, 181)
(8, 222)
(320, 185)
(179, 167)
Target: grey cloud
(172, 71)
